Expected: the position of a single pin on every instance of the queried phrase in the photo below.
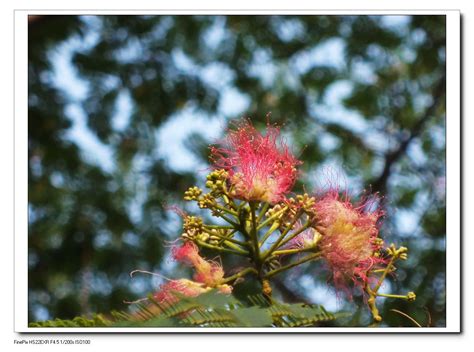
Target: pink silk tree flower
(169, 292)
(206, 272)
(260, 167)
(349, 239)
(188, 288)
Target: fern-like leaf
(210, 309)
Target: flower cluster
(249, 191)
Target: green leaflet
(78, 322)
(210, 309)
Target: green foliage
(211, 309)
(78, 322)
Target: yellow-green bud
(206, 201)
(203, 237)
(398, 253)
(216, 181)
(272, 211)
(214, 240)
(305, 202)
(411, 296)
(192, 222)
(192, 193)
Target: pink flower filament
(207, 272)
(348, 242)
(259, 166)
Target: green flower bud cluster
(378, 244)
(206, 237)
(192, 227)
(216, 181)
(398, 253)
(306, 203)
(206, 201)
(274, 210)
(278, 215)
(192, 193)
(214, 236)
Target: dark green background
(88, 230)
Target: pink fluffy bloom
(206, 272)
(207, 275)
(349, 238)
(169, 292)
(260, 167)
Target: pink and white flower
(260, 167)
(207, 272)
(168, 291)
(349, 240)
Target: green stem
(221, 249)
(238, 275)
(224, 209)
(225, 238)
(241, 205)
(218, 227)
(291, 265)
(267, 234)
(377, 271)
(228, 199)
(262, 211)
(383, 276)
(273, 217)
(293, 251)
(234, 246)
(234, 224)
(392, 296)
(373, 307)
(253, 233)
(296, 233)
(282, 236)
(373, 293)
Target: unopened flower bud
(216, 181)
(203, 237)
(305, 202)
(411, 296)
(192, 193)
(206, 201)
(397, 253)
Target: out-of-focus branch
(380, 183)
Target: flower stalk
(292, 265)
(282, 235)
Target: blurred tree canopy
(365, 94)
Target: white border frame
(453, 176)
